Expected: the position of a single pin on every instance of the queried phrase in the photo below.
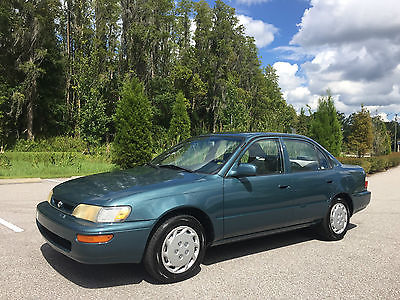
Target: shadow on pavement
(94, 276)
(252, 246)
(102, 276)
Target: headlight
(100, 214)
(49, 196)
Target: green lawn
(51, 164)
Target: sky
(351, 47)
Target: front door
(261, 202)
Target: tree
(361, 137)
(381, 144)
(303, 123)
(235, 113)
(133, 142)
(325, 127)
(179, 128)
(31, 61)
(394, 131)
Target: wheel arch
(195, 212)
(348, 200)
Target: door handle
(283, 186)
(329, 181)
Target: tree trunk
(29, 119)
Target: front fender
(206, 196)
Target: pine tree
(179, 128)
(133, 142)
(325, 126)
(361, 137)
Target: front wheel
(334, 225)
(176, 249)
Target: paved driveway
(366, 264)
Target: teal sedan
(208, 190)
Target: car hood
(105, 187)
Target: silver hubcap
(338, 218)
(180, 249)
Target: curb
(20, 180)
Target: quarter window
(265, 155)
(323, 161)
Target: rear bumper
(361, 200)
(60, 231)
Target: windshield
(202, 154)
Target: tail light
(366, 183)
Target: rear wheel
(335, 224)
(176, 249)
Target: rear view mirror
(243, 170)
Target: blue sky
(283, 14)
(351, 47)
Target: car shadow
(252, 246)
(103, 276)
(94, 276)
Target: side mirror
(243, 170)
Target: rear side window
(302, 156)
(265, 155)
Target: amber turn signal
(94, 238)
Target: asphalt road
(364, 265)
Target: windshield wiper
(175, 168)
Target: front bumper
(361, 200)
(60, 231)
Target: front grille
(54, 238)
(64, 207)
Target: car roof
(250, 135)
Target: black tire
(153, 256)
(325, 229)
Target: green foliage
(133, 143)
(361, 137)
(325, 127)
(234, 112)
(381, 144)
(3, 116)
(394, 131)
(179, 129)
(93, 120)
(303, 123)
(53, 144)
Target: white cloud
(262, 32)
(251, 2)
(292, 85)
(384, 117)
(354, 47)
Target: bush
(374, 164)
(5, 162)
(133, 143)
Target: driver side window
(265, 155)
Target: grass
(51, 164)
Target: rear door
(310, 176)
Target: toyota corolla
(208, 190)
